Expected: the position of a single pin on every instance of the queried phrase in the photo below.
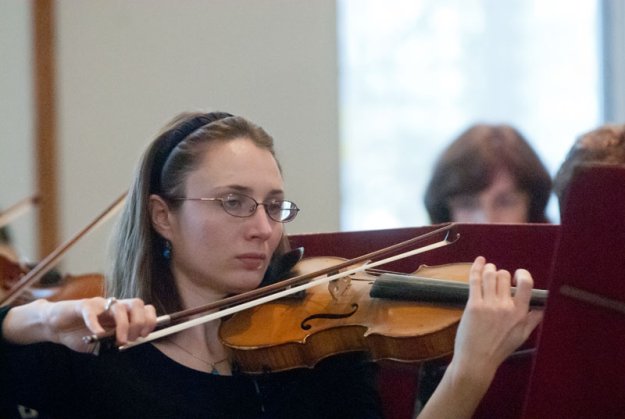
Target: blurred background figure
(489, 174)
(604, 145)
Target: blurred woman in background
(489, 174)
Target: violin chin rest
(281, 267)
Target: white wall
(17, 175)
(126, 67)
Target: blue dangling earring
(167, 250)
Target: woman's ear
(159, 216)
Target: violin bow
(17, 209)
(266, 294)
(50, 261)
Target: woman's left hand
(494, 323)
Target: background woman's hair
(470, 163)
(604, 145)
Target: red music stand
(579, 370)
(529, 246)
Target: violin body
(52, 286)
(10, 272)
(68, 287)
(75, 287)
(292, 333)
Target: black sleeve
(33, 376)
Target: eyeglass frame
(292, 211)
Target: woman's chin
(242, 286)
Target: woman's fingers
(90, 310)
(503, 284)
(475, 279)
(130, 318)
(121, 314)
(489, 282)
(524, 284)
(150, 322)
(493, 308)
(142, 318)
(486, 283)
(133, 318)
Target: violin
(400, 317)
(10, 272)
(289, 334)
(52, 285)
(92, 284)
(10, 269)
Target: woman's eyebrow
(248, 191)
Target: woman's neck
(194, 293)
(198, 348)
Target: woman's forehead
(237, 162)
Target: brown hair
(139, 268)
(470, 163)
(604, 145)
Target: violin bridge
(338, 286)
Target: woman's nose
(261, 225)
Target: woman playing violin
(205, 219)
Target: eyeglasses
(242, 206)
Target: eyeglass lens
(244, 206)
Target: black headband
(175, 137)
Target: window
(414, 74)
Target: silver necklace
(212, 365)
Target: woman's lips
(252, 261)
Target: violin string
(378, 272)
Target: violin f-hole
(305, 326)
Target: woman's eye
(464, 202)
(509, 200)
(274, 207)
(232, 202)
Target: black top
(142, 382)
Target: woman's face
(500, 202)
(214, 252)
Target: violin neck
(428, 290)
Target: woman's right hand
(67, 322)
